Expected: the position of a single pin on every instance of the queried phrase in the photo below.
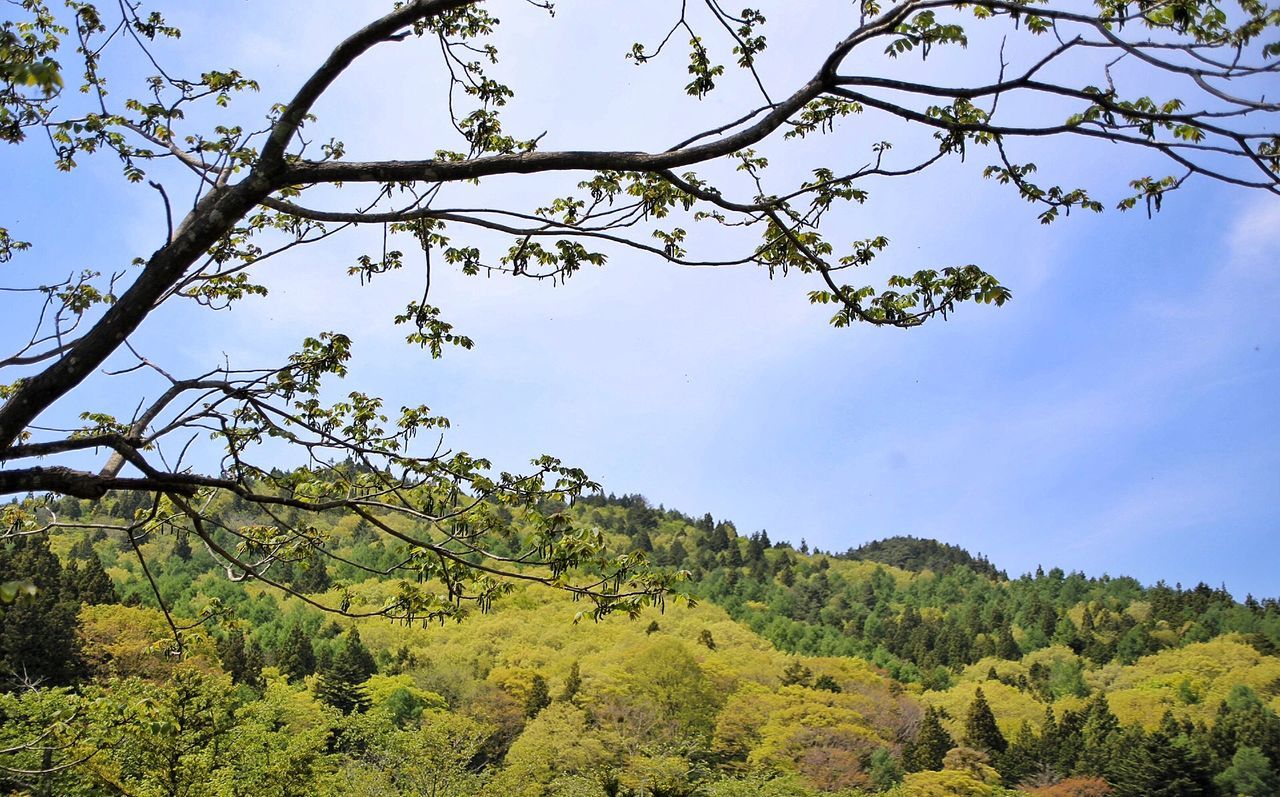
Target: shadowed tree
(38, 643)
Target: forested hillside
(904, 667)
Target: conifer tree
(296, 657)
(884, 769)
(539, 697)
(71, 581)
(82, 548)
(1022, 759)
(1098, 737)
(826, 683)
(755, 548)
(677, 554)
(733, 555)
(93, 586)
(572, 683)
(341, 683)
(241, 658)
(1006, 646)
(38, 642)
(311, 576)
(1250, 773)
(930, 746)
(980, 729)
(644, 542)
(359, 659)
(182, 547)
(1159, 765)
(1243, 719)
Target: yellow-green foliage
(381, 689)
(557, 749)
(645, 695)
(820, 735)
(944, 783)
(859, 570)
(1010, 705)
(1190, 681)
(137, 641)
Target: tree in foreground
(265, 186)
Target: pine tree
(1244, 720)
(241, 658)
(1250, 772)
(644, 542)
(677, 554)
(884, 769)
(71, 581)
(930, 746)
(1022, 759)
(1006, 646)
(93, 586)
(341, 683)
(980, 729)
(358, 656)
(539, 697)
(82, 548)
(733, 555)
(1098, 738)
(311, 576)
(38, 642)
(755, 549)
(336, 688)
(296, 657)
(1159, 765)
(572, 684)
(825, 683)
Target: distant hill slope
(918, 554)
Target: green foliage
(657, 710)
(929, 747)
(241, 659)
(341, 682)
(572, 683)
(912, 553)
(539, 697)
(1250, 773)
(296, 657)
(980, 729)
(38, 644)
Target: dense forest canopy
(796, 673)
(910, 553)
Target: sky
(1118, 416)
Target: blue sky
(1118, 416)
